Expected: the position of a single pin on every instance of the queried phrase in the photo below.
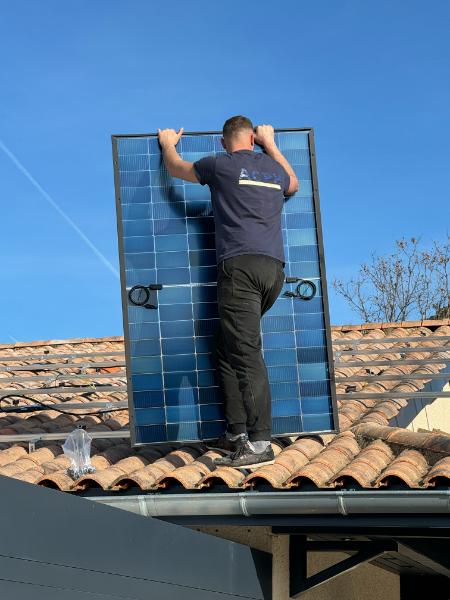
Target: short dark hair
(234, 125)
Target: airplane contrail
(53, 203)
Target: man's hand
(177, 167)
(265, 136)
(169, 137)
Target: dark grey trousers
(247, 286)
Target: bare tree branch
(407, 283)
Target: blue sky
(373, 79)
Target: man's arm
(265, 136)
(177, 167)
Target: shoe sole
(255, 465)
(216, 449)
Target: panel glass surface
(166, 237)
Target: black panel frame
(323, 279)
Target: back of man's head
(235, 126)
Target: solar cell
(166, 241)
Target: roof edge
(251, 504)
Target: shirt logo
(260, 178)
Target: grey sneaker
(244, 457)
(223, 444)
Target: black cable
(64, 412)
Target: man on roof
(247, 193)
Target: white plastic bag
(78, 448)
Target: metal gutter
(249, 504)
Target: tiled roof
(367, 453)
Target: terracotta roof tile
(440, 472)
(366, 466)
(287, 463)
(189, 476)
(342, 449)
(368, 452)
(10, 455)
(232, 478)
(409, 467)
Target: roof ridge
(90, 340)
(392, 324)
(349, 327)
(430, 441)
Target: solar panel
(168, 281)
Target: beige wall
(366, 582)
(425, 414)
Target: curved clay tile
(439, 473)
(436, 442)
(117, 452)
(185, 455)
(232, 478)
(407, 386)
(373, 417)
(431, 441)
(11, 455)
(13, 468)
(383, 411)
(310, 446)
(316, 473)
(335, 333)
(190, 476)
(30, 476)
(146, 477)
(424, 370)
(117, 421)
(442, 330)
(292, 459)
(394, 435)
(100, 462)
(103, 479)
(60, 463)
(345, 422)
(58, 481)
(399, 370)
(45, 454)
(344, 371)
(341, 450)
(405, 437)
(116, 473)
(276, 475)
(341, 387)
(132, 463)
(366, 466)
(356, 406)
(409, 467)
(376, 387)
(351, 335)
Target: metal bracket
(300, 583)
(32, 445)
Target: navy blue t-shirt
(247, 194)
